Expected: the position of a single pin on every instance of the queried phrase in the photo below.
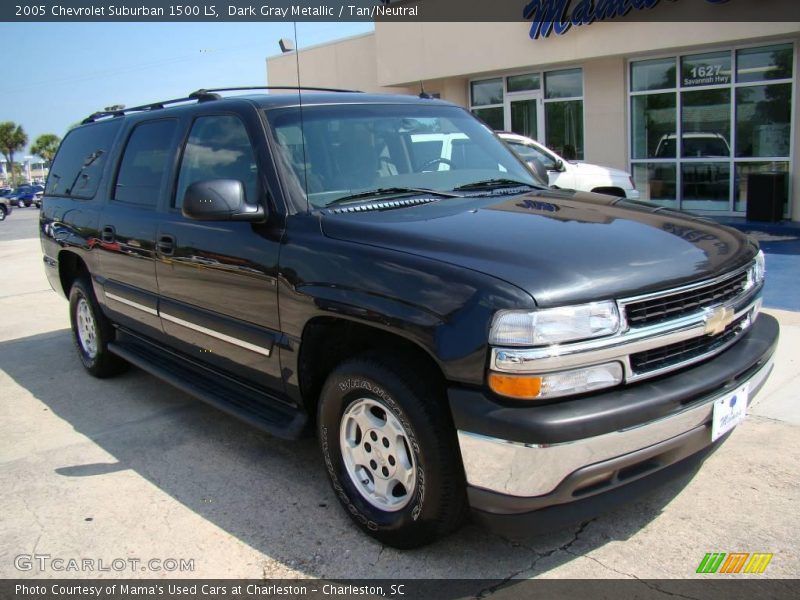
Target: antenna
(422, 92)
(300, 103)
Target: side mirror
(219, 200)
(559, 166)
(538, 169)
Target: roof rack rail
(194, 97)
(202, 95)
(275, 87)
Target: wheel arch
(327, 341)
(70, 267)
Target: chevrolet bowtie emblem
(718, 319)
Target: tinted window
(706, 69)
(759, 64)
(530, 153)
(78, 165)
(519, 83)
(145, 162)
(563, 84)
(218, 148)
(489, 91)
(653, 74)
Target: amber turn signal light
(515, 386)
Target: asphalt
(131, 468)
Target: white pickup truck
(572, 175)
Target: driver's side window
(218, 148)
(532, 153)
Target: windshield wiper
(393, 191)
(492, 183)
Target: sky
(56, 74)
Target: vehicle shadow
(270, 494)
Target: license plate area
(729, 411)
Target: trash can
(766, 196)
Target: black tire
(96, 358)
(3, 212)
(437, 505)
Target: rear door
(218, 280)
(129, 223)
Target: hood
(590, 169)
(560, 246)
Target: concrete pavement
(131, 468)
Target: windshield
(344, 150)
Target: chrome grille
(680, 352)
(671, 306)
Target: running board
(255, 407)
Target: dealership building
(691, 109)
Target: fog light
(554, 385)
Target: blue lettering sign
(559, 16)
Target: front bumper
(523, 459)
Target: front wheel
(3, 212)
(391, 452)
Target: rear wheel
(92, 332)
(3, 212)
(391, 452)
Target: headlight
(759, 267)
(553, 385)
(554, 325)
(755, 276)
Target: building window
(546, 106)
(563, 112)
(524, 83)
(486, 98)
(701, 123)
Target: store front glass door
(524, 115)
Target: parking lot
(132, 468)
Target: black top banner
(561, 13)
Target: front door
(217, 280)
(524, 114)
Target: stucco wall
(410, 51)
(605, 124)
(350, 63)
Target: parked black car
(456, 334)
(5, 208)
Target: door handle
(166, 245)
(108, 234)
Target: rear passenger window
(78, 165)
(218, 148)
(145, 163)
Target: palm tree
(45, 146)
(12, 139)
